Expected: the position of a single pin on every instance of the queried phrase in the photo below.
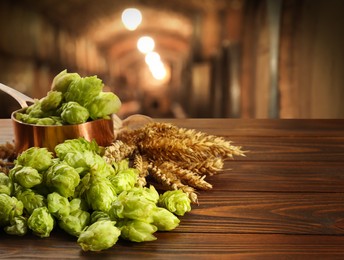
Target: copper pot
(28, 135)
(103, 131)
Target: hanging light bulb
(145, 44)
(131, 18)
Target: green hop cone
(80, 161)
(6, 185)
(30, 199)
(62, 81)
(35, 111)
(28, 177)
(100, 194)
(78, 218)
(10, 207)
(18, 226)
(41, 222)
(150, 194)
(176, 201)
(124, 180)
(52, 101)
(101, 235)
(105, 104)
(75, 146)
(78, 204)
(73, 113)
(37, 158)
(136, 230)
(84, 90)
(62, 178)
(75, 223)
(132, 205)
(164, 220)
(58, 205)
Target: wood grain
(188, 245)
(266, 212)
(280, 176)
(284, 200)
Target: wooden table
(285, 199)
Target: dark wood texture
(285, 200)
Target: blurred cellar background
(213, 58)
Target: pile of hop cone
(177, 158)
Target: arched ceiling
(171, 31)
(170, 23)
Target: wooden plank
(290, 148)
(263, 127)
(171, 245)
(280, 177)
(266, 212)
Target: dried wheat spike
(165, 141)
(186, 176)
(195, 145)
(172, 131)
(5, 166)
(209, 166)
(118, 151)
(211, 144)
(132, 137)
(142, 166)
(7, 151)
(171, 182)
(165, 148)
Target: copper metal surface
(27, 135)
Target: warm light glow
(152, 57)
(157, 68)
(131, 18)
(158, 71)
(145, 44)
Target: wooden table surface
(284, 200)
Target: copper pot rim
(13, 118)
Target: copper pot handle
(21, 98)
